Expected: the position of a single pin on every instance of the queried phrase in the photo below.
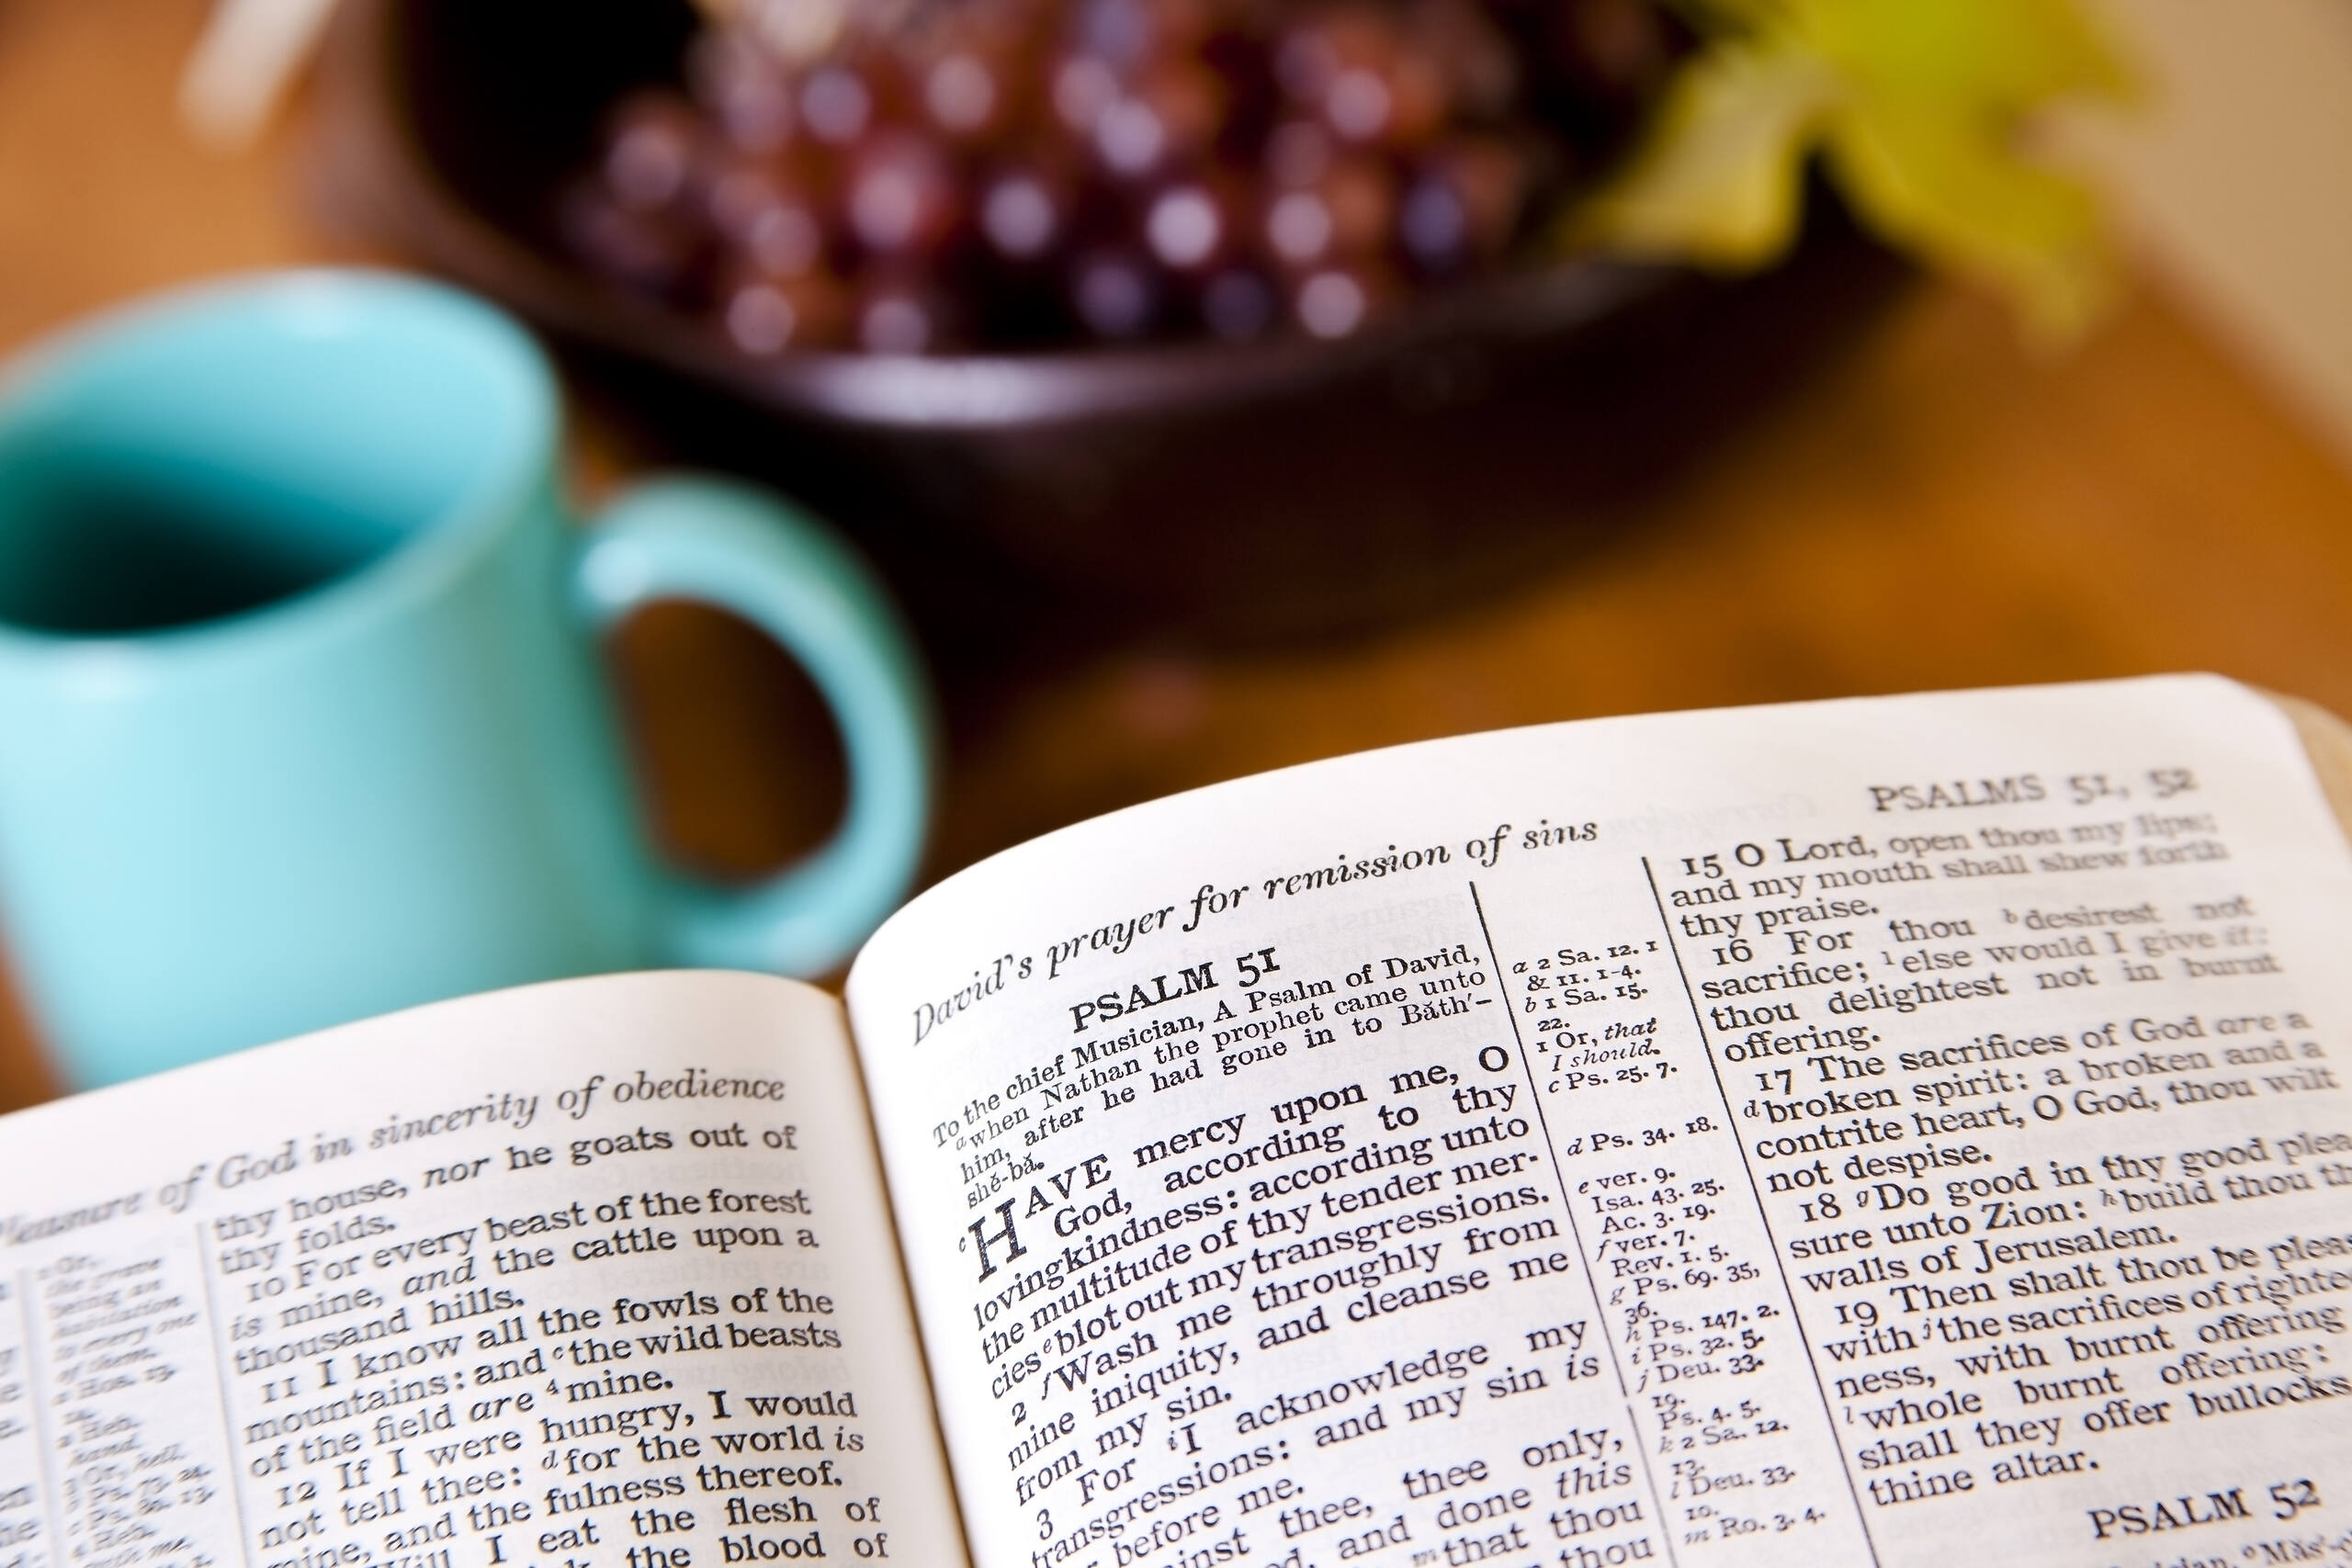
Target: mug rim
(443, 546)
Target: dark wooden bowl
(1272, 491)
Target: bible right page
(1883, 1132)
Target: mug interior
(223, 454)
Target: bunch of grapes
(911, 176)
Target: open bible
(1898, 1130)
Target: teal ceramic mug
(302, 712)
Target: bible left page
(596, 1274)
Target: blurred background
(1875, 461)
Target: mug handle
(748, 552)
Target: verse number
(1712, 865)
(2169, 781)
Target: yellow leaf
(1947, 190)
(2000, 57)
(1917, 105)
(1717, 178)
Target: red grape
(1116, 293)
(764, 314)
(899, 195)
(911, 176)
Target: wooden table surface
(1938, 508)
